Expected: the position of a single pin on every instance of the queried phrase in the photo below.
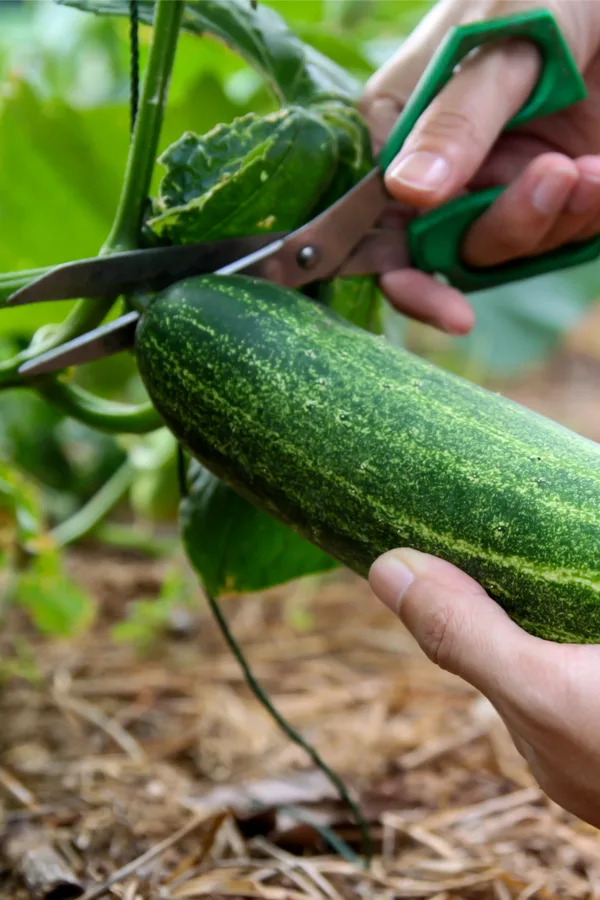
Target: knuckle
(439, 638)
(510, 232)
(379, 110)
(368, 98)
(514, 240)
(447, 125)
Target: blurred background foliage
(64, 133)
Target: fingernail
(389, 578)
(422, 170)
(551, 191)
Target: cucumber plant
(308, 441)
(204, 190)
(253, 519)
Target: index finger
(453, 137)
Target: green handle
(435, 239)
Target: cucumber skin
(362, 447)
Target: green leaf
(148, 620)
(55, 602)
(344, 48)
(354, 154)
(237, 548)
(79, 59)
(295, 71)
(37, 579)
(66, 460)
(154, 494)
(21, 516)
(56, 209)
(241, 178)
(61, 170)
(357, 299)
(60, 174)
(29, 437)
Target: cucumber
(362, 447)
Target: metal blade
(105, 340)
(150, 269)
(115, 336)
(314, 251)
(321, 247)
(381, 250)
(339, 238)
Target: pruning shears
(343, 240)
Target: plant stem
(124, 234)
(288, 730)
(129, 537)
(92, 513)
(103, 415)
(12, 281)
(144, 147)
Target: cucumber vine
(308, 87)
(124, 235)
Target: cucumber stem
(124, 234)
(103, 415)
(92, 512)
(134, 539)
(291, 732)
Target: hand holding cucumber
(551, 165)
(547, 694)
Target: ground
(108, 753)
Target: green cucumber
(362, 447)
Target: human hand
(551, 165)
(547, 694)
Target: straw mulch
(158, 775)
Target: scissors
(342, 240)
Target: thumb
(455, 622)
(454, 136)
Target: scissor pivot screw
(308, 257)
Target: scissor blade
(321, 247)
(104, 341)
(117, 335)
(381, 250)
(149, 269)
(340, 237)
